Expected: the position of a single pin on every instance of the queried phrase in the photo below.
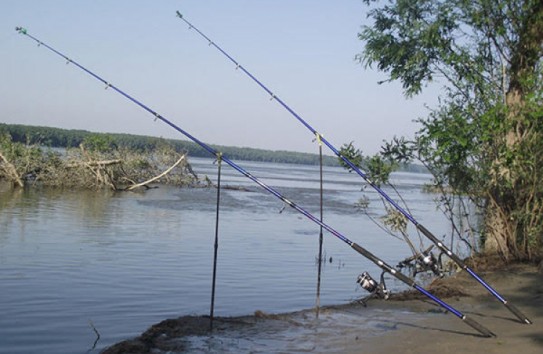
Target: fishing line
(383, 194)
(370, 256)
(301, 120)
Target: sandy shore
(393, 326)
(520, 285)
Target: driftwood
(12, 171)
(94, 163)
(142, 184)
(92, 169)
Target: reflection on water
(71, 260)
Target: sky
(302, 50)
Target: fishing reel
(375, 289)
(428, 261)
(422, 262)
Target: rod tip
(179, 14)
(20, 29)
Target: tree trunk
(508, 226)
(498, 231)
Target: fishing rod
(370, 256)
(383, 194)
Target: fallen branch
(157, 177)
(94, 163)
(97, 335)
(12, 171)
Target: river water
(72, 262)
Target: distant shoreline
(65, 138)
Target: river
(73, 263)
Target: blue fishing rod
(383, 194)
(380, 263)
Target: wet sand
(407, 323)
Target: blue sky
(303, 50)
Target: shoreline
(405, 323)
(522, 285)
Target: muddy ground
(406, 323)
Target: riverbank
(403, 324)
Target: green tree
(101, 143)
(485, 139)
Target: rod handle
(517, 313)
(479, 327)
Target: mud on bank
(405, 323)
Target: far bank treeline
(69, 138)
(65, 138)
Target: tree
(484, 141)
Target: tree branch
(12, 171)
(157, 177)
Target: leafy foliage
(19, 160)
(101, 143)
(484, 140)
(377, 169)
(352, 154)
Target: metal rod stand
(216, 247)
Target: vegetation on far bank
(29, 155)
(69, 138)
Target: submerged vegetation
(96, 163)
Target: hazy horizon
(303, 51)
